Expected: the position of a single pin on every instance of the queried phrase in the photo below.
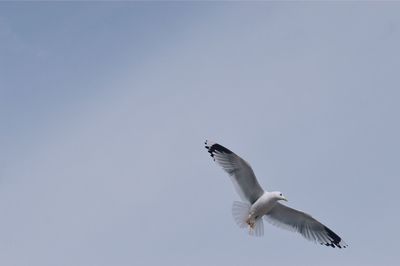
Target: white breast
(263, 205)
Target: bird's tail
(240, 213)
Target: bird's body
(263, 205)
(258, 204)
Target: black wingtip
(336, 241)
(216, 148)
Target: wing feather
(239, 170)
(304, 224)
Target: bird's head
(279, 196)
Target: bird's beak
(285, 199)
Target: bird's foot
(251, 223)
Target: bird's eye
(280, 194)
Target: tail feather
(258, 229)
(240, 213)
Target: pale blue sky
(104, 108)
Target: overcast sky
(104, 109)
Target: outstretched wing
(241, 174)
(303, 223)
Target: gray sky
(104, 108)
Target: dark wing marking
(240, 171)
(301, 222)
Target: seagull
(258, 203)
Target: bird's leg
(250, 222)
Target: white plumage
(259, 203)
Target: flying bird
(258, 203)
